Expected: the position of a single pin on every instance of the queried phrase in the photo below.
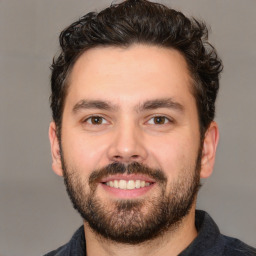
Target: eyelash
(166, 120)
(91, 117)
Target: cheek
(174, 154)
(85, 153)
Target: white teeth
(122, 184)
(115, 183)
(137, 183)
(130, 184)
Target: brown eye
(159, 119)
(96, 120)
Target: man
(133, 131)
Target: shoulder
(61, 251)
(210, 242)
(76, 245)
(235, 247)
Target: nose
(128, 145)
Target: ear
(55, 149)
(209, 150)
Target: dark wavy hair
(142, 22)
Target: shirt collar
(208, 234)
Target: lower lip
(127, 193)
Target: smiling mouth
(127, 184)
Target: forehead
(129, 75)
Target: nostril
(126, 159)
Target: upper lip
(127, 177)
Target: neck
(172, 242)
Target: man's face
(130, 140)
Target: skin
(125, 79)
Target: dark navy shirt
(209, 242)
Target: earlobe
(55, 150)
(209, 150)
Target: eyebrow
(93, 104)
(147, 105)
(160, 103)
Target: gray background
(36, 215)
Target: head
(133, 102)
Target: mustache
(121, 168)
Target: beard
(133, 221)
